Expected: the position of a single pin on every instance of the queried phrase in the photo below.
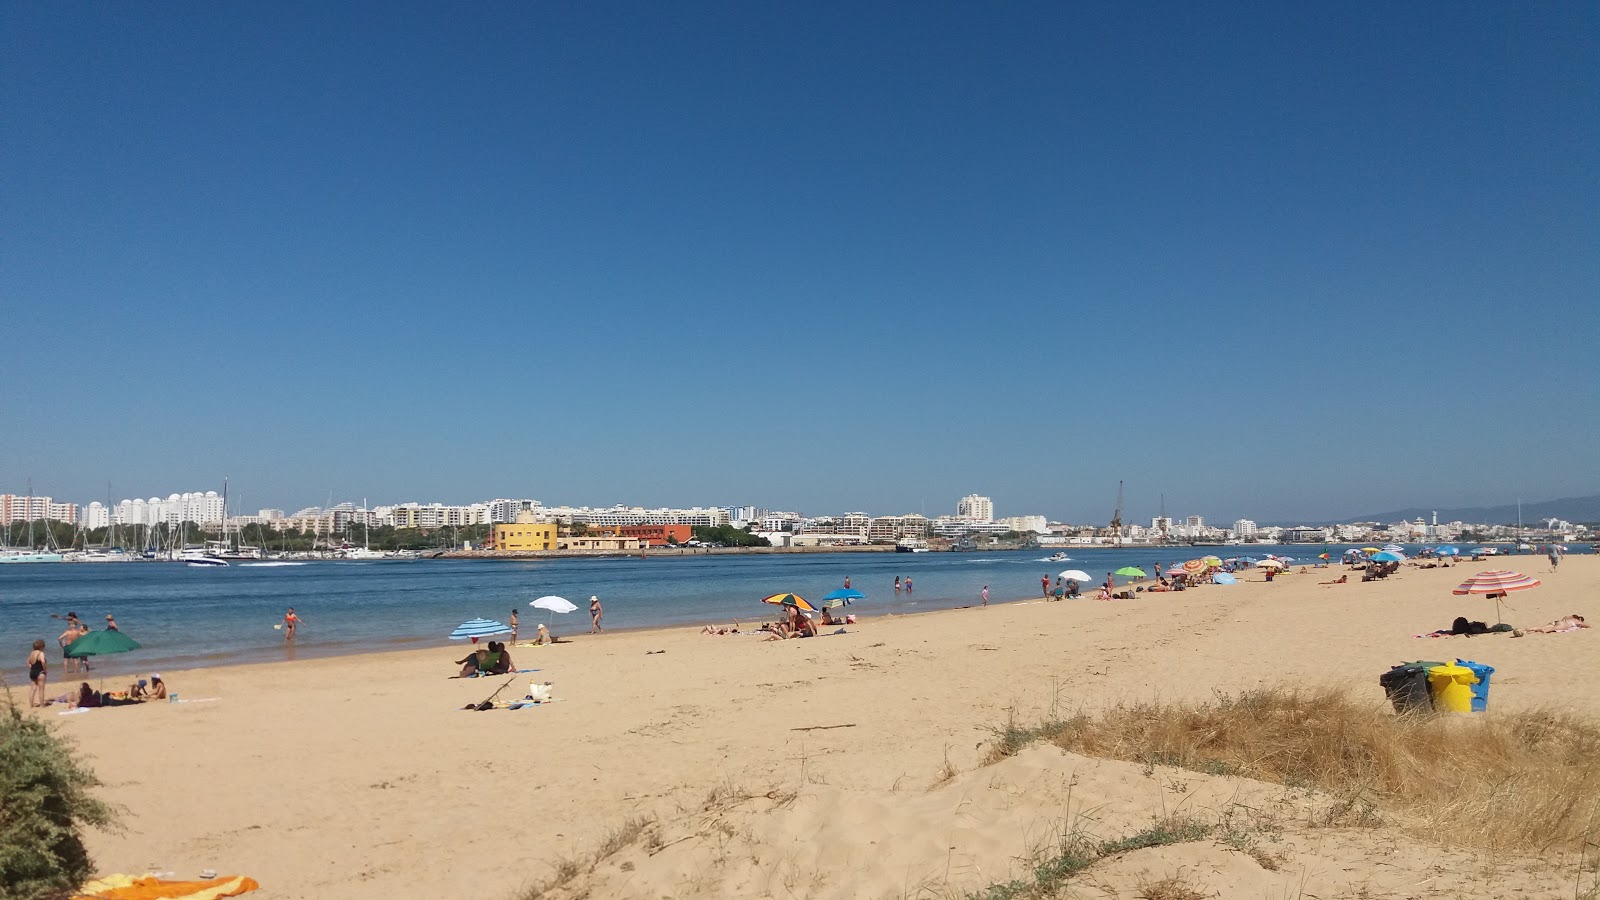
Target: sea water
(184, 616)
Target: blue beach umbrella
(1447, 550)
(1386, 556)
(841, 597)
(477, 628)
(1223, 578)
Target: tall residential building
(1244, 529)
(975, 507)
(22, 508)
(1195, 521)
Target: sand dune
(362, 777)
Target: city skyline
(1271, 265)
(178, 506)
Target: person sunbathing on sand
(1565, 623)
(1340, 580)
(725, 629)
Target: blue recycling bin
(1480, 691)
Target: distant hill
(1572, 509)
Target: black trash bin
(1406, 686)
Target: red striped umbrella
(1195, 566)
(1496, 581)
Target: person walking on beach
(290, 623)
(897, 584)
(1158, 571)
(513, 628)
(1110, 583)
(595, 612)
(1044, 585)
(986, 595)
(38, 674)
(1555, 556)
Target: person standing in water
(290, 623)
(595, 612)
(897, 584)
(847, 582)
(1044, 585)
(908, 584)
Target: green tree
(45, 803)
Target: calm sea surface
(187, 617)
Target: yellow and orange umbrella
(787, 599)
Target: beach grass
(1518, 781)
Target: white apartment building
(201, 508)
(975, 507)
(893, 528)
(624, 515)
(779, 521)
(1244, 529)
(504, 511)
(857, 525)
(96, 515)
(1035, 524)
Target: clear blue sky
(1273, 260)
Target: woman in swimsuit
(594, 615)
(38, 672)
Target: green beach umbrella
(101, 643)
(1130, 572)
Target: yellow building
(524, 536)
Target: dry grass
(1172, 887)
(1527, 781)
(568, 868)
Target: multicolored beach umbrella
(1196, 566)
(1496, 583)
(478, 628)
(787, 599)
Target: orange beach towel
(130, 887)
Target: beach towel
(129, 887)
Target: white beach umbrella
(1077, 575)
(555, 605)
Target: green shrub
(44, 805)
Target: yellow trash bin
(1452, 688)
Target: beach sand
(843, 766)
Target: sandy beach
(848, 765)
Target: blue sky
(1269, 260)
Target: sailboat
(364, 551)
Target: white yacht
(29, 556)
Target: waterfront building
(524, 536)
(1035, 524)
(205, 509)
(96, 515)
(883, 529)
(656, 535)
(976, 507)
(22, 508)
(1244, 529)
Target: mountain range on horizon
(1570, 509)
